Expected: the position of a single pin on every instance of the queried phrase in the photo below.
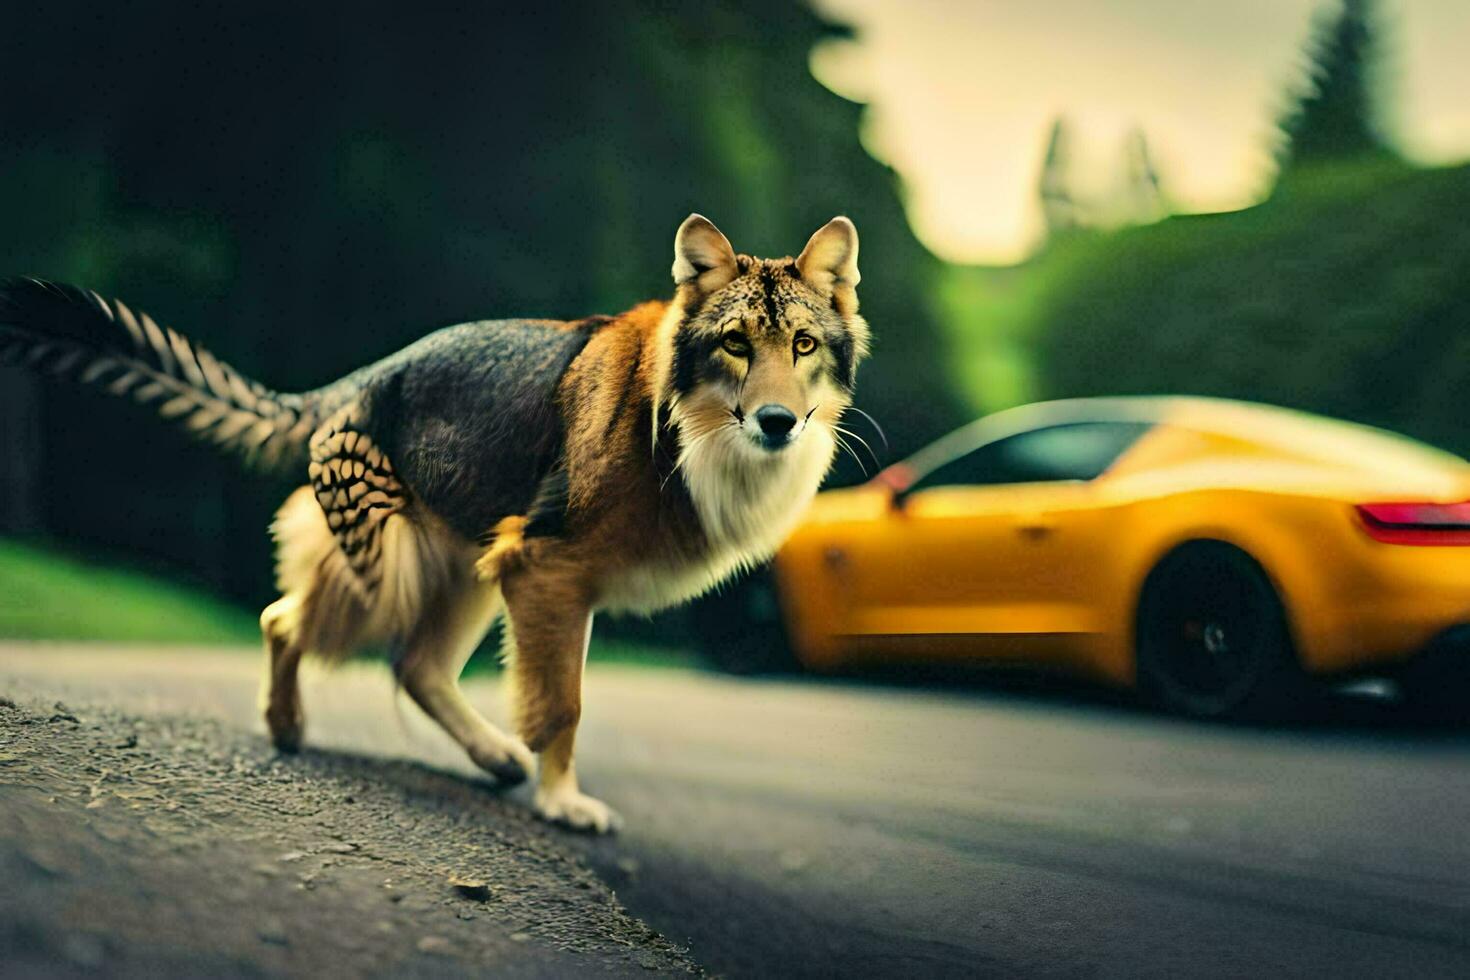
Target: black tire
(1212, 637)
(740, 629)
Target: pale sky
(961, 95)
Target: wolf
(536, 470)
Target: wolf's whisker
(860, 439)
(846, 446)
(874, 423)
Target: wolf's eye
(735, 344)
(804, 345)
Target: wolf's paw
(577, 810)
(285, 724)
(508, 760)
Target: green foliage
(990, 316)
(996, 318)
(47, 596)
(1345, 294)
(304, 192)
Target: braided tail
(68, 332)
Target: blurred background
(1262, 200)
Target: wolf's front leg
(548, 624)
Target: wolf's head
(763, 350)
(758, 358)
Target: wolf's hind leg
(546, 648)
(430, 667)
(279, 627)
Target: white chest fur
(747, 501)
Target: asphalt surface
(810, 829)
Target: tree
(1334, 115)
(302, 214)
(1147, 200)
(1058, 206)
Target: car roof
(1286, 430)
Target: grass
(614, 650)
(605, 649)
(48, 596)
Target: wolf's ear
(829, 261)
(702, 255)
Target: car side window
(1078, 451)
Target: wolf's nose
(776, 422)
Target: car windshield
(1078, 451)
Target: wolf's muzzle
(776, 423)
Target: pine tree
(1334, 116)
(1058, 207)
(1147, 200)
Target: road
(811, 829)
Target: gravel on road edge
(139, 845)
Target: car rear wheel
(740, 628)
(1212, 636)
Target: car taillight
(1423, 524)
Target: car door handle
(1035, 528)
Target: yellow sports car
(1210, 553)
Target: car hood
(858, 503)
